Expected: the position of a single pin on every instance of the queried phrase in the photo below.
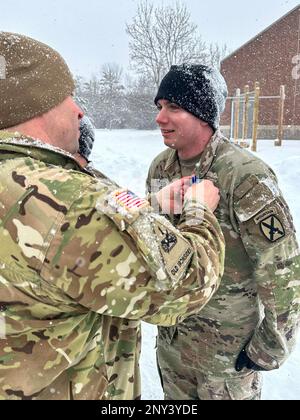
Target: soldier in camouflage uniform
(82, 261)
(250, 324)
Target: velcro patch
(129, 200)
(245, 186)
(264, 214)
(272, 228)
(176, 252)
(254, 201)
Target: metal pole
(237, 115)
(278, 142)
(245, 117)
(255, 116)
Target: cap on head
(36, 79)
(87, 137)
(200, 90)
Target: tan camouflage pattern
(259, 296)
(182, 383)
(77, 274)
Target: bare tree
(111, 74)
(112, 101)
(217, 54)
(140, 104)
(161, 37)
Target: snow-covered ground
(125, 155)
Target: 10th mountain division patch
(272, 228)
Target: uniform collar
(17, 144)
(206, 159)
(209, 154)
(172, 159)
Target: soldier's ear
(203, 123)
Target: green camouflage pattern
(181, 383)
(78, 273)
(258, 300)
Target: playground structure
(245, 116)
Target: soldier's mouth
(166, 132)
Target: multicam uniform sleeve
(132, 263)
(266, 228)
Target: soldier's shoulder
(65, 184)
(161, 159)
(163, 156)
(240, 160)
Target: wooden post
(255, 117)
(245, 117)
(278, 142)
(237, 115)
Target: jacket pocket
(244, 388)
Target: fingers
(171, 197)
(205, 193)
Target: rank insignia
(168, 242)
(272, 228)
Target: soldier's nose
(161, 117)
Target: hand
(205, 193)
(244, 361)
(170, 198)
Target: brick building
(272, 58)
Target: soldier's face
(180, 129)
(63, 125)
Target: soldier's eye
(173, 107)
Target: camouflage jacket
(262, 259)
(79, 270)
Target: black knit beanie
(87, 137)
(199, 89)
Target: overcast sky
(89, 33)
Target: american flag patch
(129, 200)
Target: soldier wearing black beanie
(199, 89)
(219, 352)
